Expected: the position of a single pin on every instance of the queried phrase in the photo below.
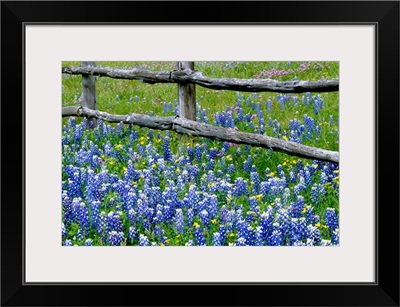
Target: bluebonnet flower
(63, 230)
(158, 232)
(275, 239)
(217, 239)
(331, 219)
(75, 185)
(115, 238)
(259, 237)
(255, 180)
(330, 120)
(179, 221)
(284, 221)
(240, 117)
(88, 242)
(190, 153)
(205, 219)
(229, 120)
(167, 151)
(269, 105)
(335, 237)
(247, 164)
(253, 203)
(313, 235)
(132, 234)
(296, 209)
(318, 104)
(133, 137)
(241, 241)
(213, 206)
(309, 123)
(198, 152)
(67, 242)
(245, 231)
(231, 168)
(143, 240)
(240, 187)
(95, 213)
(190, 216)
(311, 217)
(168, 211)
(224, 214)
(266, 222)
(298, 229)
(213, 153)
(264, 189)
(250, 216)
(114, 222)
(199, 236)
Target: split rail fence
(187, 78)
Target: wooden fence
(186, 79)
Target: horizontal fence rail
(198, 78)
(185, 126)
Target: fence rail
(186, 126)
(198, 78)
(186, 78)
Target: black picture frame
(383, 14)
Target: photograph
(239, 153)
(202, 153)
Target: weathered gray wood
(255, 85)
(71, 111)
(186, 94)
(160, 123)
(131, 74)
(89, 92)
(185, 126)
(198, 78)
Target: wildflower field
(123, 185)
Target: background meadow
(125, 185)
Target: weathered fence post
(89, 92)
(186, 94)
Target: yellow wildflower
(112, 162)
(318, 224)
(124, 168)
(195, 224)
(259, 196)
(229, 158)
(272, 204)
(213, 221)
(118, 146)
(285, 138)
(231, 234)
(304, 210)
